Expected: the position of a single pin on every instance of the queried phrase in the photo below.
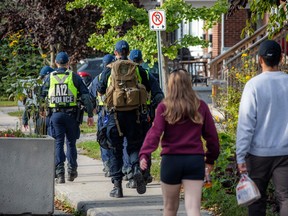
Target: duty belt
(64, 110)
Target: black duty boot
(72, 175)
(139, 180)
(131, 184)
(60, 174)
(60, 179)
(117, 190)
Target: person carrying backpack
(125, 88)
(155, 96)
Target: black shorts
(175, 168)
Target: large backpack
(125, 93)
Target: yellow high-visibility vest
(62, 91)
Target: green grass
(18, 113)
(4, 102)
(84, 128)
(91, 149)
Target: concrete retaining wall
(27, 175)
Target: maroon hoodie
(183, 137)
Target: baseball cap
(135, 55)
(107, 59)
(269, 49)
(62, 58)
(45, 70)
(120, 45)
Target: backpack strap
(117, 124)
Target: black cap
(269, 49)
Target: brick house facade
(233, 27)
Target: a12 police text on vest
(61, 94)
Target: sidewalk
(9, 122)
(89, 193)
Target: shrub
(20, 59)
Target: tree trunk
(52, 56)
(164, 69)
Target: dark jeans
(261, 170)
(132, 132)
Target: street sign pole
(157, 22)
(159, 48)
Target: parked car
(89, 68)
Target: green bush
(20, 59)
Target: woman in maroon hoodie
(181, 121)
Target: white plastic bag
(246, 191)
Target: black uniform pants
(131, 129)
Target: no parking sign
(157, 20)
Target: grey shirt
(263, 117)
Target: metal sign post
(157, 22)
(159, 48)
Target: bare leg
(170, 198)
(193, 193)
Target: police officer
(62, 88)
(130, 128)
(102, 114)
(155, 97)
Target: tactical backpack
(125, 93)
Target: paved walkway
(7, 121)
(89, 193)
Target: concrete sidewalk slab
(89, 193)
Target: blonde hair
(181, 100)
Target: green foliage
(20, 59)
(228, 100)
(155, 167)
(277, 16)
(222, 203)
(116, 14)
(12, 133)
